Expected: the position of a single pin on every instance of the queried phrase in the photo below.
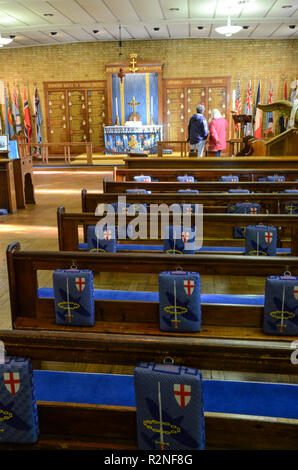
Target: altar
(123, 139)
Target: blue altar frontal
(123, 139)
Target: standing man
(198, 131)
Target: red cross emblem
(80, 283)
(107, 234)
(268, 237)
(189, 286)
(12, 382)
(185, 236)
(182, 394)
(253, 210)
(296, 292)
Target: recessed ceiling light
(48, 14)
(174, 9)
(200, 27)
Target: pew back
(217, 229)
(208, 187)
(212, 202)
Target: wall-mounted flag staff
(258, 116)
(16, 112)
(38, 115)
(9, 129)
(27, 118)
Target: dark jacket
(197, 128)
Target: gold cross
(133, 103)
(133, 61)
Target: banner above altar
(123, 139)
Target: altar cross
(133, 103)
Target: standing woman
(217, 132)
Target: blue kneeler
(169, 403)
(18, 408)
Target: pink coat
(217, 134)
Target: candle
(152, 106)
(116, 106)
(234, 100)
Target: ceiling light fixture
(4, 41)
(174, 9)
(229, 29)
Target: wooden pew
(277, 163)
(217, 229)
(203, 186)
(231, 336)
(73, 426)
(85, 426)
(212, 202)
(212, 174)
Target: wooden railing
(182, 144)
(44, 149)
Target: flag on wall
(283, 122)
(9, 129)
(248, 109)
(38, 114)
(258, 115)
(16, 112)
(238, 108)
(27, 117)
(269, 125)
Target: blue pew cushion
(281, 305)
(275, 400)
(101, 241)
(186, 179)
(243, 208)
(3, 211)
(167, 151)
(243, 191)
(291, 207)
(179, 301)
(18, 409)
(142, 178)
(137, 191)
(74, 297)
(169, 407)
(179, 240)
(276, 178)
(260, 240)
(229, 179)
(188, 191)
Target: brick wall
(244, 59)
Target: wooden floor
(36, 229)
